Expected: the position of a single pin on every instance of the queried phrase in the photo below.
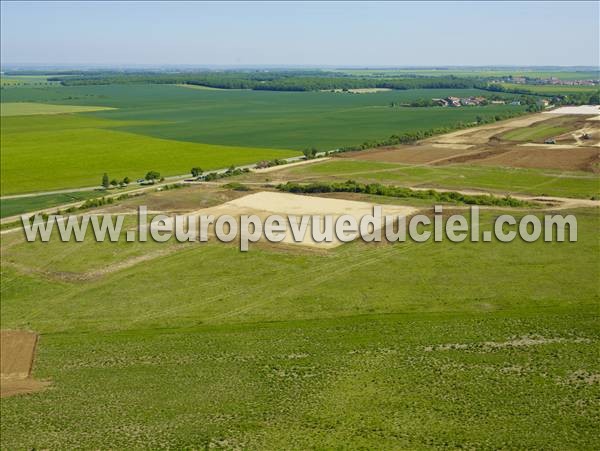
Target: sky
(372, 34)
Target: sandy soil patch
(580, 377)
(452, 146)
(520, 342)
(266, 203)
(581, 109)
(290, 165)
(359, 90)
(17, 352)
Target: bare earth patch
(545, 157)
(290, 165)
(483, 133)
(17, 352)
(581, 109)
(520, 342)
(266, 203)
(581, 377)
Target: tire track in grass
(284, 278)
(341, 269)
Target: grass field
(30, 109)
(309, 350)
(502, 180)
(467, 345)
(552, 89)
(17, 81)
(54, 152)
(11, 207)
(535, 133)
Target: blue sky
(302, 33)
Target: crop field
(288, 120)
(143, 126)
(16, 206)
(30, 109)
(78, 150)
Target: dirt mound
(17, 352)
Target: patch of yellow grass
(30, 109)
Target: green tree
(126, 181)
(105, 182)
(196, 172)
(114, 182)
(310, 152)
(151, 176)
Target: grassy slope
(290, 120)
(539, 132)
(503, 180)
(53, 152)
(332, 351)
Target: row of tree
(271, 81)
(151, 176)
(351, 186)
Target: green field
(16, 206)
(397, 345)
(535, 133)
(31, 109)
(563, 75)
(552, 89)
(498, 179)
(17, 81)
(170, 129)
(68, 151)
(409, 345)
(288, 120)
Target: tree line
(271, 81)
(378, 189)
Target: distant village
(465, 101)
(479, 100)
(546, 81)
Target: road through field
(97, 187)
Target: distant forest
(301, 80)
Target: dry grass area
(188, 198)
(424, 153)
(545, 157)
(16, 361)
